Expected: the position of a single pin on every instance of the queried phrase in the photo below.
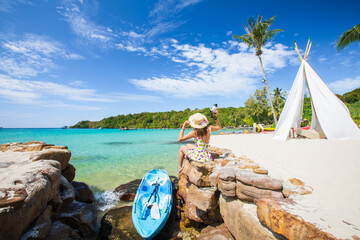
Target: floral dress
(200, 153)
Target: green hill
(256, 109)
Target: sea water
(106, 158)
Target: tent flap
(332, 114)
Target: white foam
(106, 200)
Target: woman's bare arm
(218, 125)
(187, 136)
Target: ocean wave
(106, 200)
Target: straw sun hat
(198, 120)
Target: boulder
(255, 193)
(128, 190)
(258, 180)
(198, 172)
(184, 185)
(215, 232)
(41, 227)
(26, 187)
(69, 172)
(80, 217)
(276, 216)
(202, 206)
(240, 218)
(61, 231)
(82, 192)
(295, 186)
(66, 192)
(204, 198)
(117, 224)
(61, 155)
(226, 182)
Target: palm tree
(278, 99)
(351, 35)
(257, 35)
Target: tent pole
(308, 51)
(297, 50)
(312, 104)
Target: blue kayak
(152, 204)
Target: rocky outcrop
(240, 218)
(128, 190)
(244, 184)
(198, 172)
(295, 186)
(82, 192)
(36, 200)
(215, 232)
(277, 216)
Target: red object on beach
(306, 128)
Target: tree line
(256, 109)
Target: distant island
(256, 109)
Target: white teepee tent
(330, 116)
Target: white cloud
(217, 71)
(32, 55)
(46, 93)
(322, 59)
(82, 25)
(228, 33)
(345, 85)
(8, 5)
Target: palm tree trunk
(268, 92)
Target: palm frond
(348, 37)
(245, 39)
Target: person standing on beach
(201, 133)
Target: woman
(201, 135)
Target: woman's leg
(182, 154)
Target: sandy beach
(331, 168)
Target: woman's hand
(215, 113)
(186, 123)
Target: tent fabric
(330, 114)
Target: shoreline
(329, 167)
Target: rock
(241, 220)
(276, 216)
(128, 190)
(204, 198)
(260, 171)
(184, 185)
(258, 180)
(117, 224)
(214, 155)
(226, 182)
(40, 181)
(69, 172)
(295, 186)
(82, 192)
(198, 172)
(66, 192)
(56, 203)
(81, 217)
(61, 231)
(219, 232)
(55, 147)
(41, 227)
(60, 155)
(255, 193)
(12, 197)
(202, 206)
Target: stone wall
(38, 197)
(238, 200)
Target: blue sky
(66, 61)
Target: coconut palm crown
(350, 36)
(257, 33)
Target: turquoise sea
(106, 158)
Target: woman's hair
(201, 132)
